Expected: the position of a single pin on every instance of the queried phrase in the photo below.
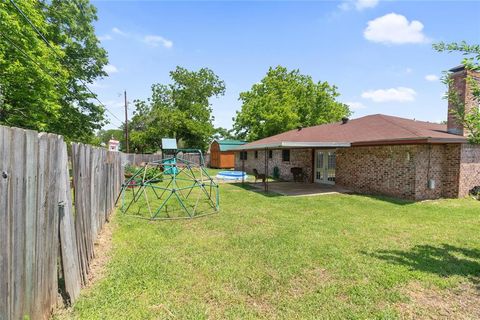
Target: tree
(31, 81)
(41, 84)
(178, 110)
(471, 61)
(285, 100)
(222, 133)
(103, 136)
(71, 27)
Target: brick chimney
(459, 83)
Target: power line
(61, 58)
(28, 57)
(16, 46)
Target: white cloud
(119, 32)
(356, 105)
(110, 69)
(150, 39)
(344, 6)
(431, 77)
(105, 37)
(363, 4)
(155, 41)
(394, 28)
(358, 4)
(399, 94)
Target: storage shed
(221, 153)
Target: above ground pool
(231, 175)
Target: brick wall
(401, 171)
(440, 163)
(451, 171)
(469, 168)
(298, 158)
(387, 170)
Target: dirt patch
(103, 251)
(309, 281)
(262, 307)
(432, 303)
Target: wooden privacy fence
(37, 217)
(97, 179)
(138, 159)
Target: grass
(328, 257)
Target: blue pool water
(231, 175)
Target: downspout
(430, 182)
(266, 172)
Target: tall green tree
(71, 27)
(180, 110)
(471, 61)
(41, 85)
(103, 136)
(284, 100)
(31, 82)
(223, 133)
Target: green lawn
(274, 257)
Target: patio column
(266, 171)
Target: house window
(256, 154)
(243, 155)
(270, 154)
(286, 155)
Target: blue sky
(378, 53)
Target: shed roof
(229, 144)
(169, 144)
(374, 129)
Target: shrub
(475, 192)
(151, 172)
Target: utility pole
(126, 121)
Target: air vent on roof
(344, 120)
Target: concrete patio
(300, 189)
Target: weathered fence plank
(52, 227)
(40, 230)
(68, 244)
(79, 221)
(34, 181)
(31, 160)
(17, 215)
(5, 285)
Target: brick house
(377, 154)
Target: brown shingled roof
(369, 130)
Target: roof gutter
(420, 140)
(292, 144)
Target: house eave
(299, 145)
(420, 140)
(293, 145)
